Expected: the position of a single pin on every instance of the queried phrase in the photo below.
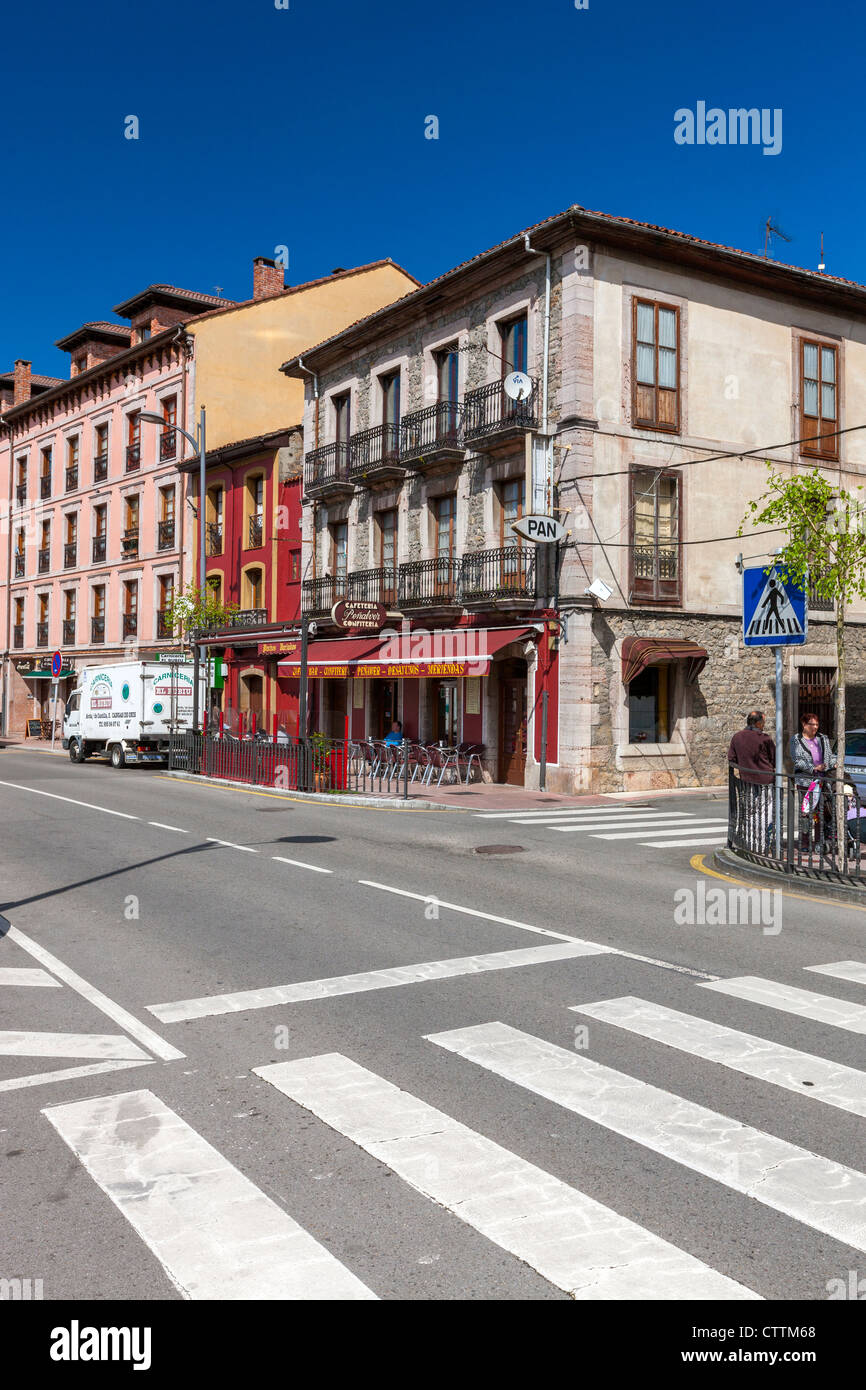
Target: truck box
(129, 709)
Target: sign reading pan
(539, 528)
(359, 614)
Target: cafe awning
(640, 652)
(46, 675)
(407, 656)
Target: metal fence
(315, 764)
(807, 844)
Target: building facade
(663, 372)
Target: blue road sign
(56, 664)
(774, 612)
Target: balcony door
(512, 722)
(446, 542)
(340, 559)
(387, 559)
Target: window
(166, 504)
(254, 588)
(133, 428)
(69, 605)
(43, 608)
(445, 516)
(390, 385)
(512, 499)
(19, 612)
(45, 474)
(215, 521)
(100, 520)
(256, 503)
(215, 587)
(166, 591)
(72, 463)
(649, 705)
(168, 438)
(342, 418)
(130, 608)
(20, 547)
(513, 341)
(80, 365)
(42, 621)
(448, 374)
(819, 411)
(655, 366)
(99, 601)
(655, 536)
(44, 559)
(296, 565)
(169, 411)
(100, 452)
(386, 538)
(131, 512)
(339, 556)
(71, 527)
(21, 491)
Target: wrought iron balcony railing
(163, 626)
(820, 605)
(129, 543)
(42, 634)
(165, 535)
(214, 538)
(21, 492)
(505, 573)
(45, 485)
(44, 560)
(100, 468)
(320, 595)
(72, 478)
(255, 533)
(428, 583)
(18, 635)
(248, 617)
(133, 457)
(375, 451)
(374, 586)
(70, 555)
(655, 561)
(488, 412)
(97, 629)
(429, 434)
(167, 445)
(69, 632)
(19, 564)
(98, 550)
(130, 624)
(327, 469)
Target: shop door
(446, 713)
(817, 695)
(512, 729)
(384, 707)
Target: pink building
(94, 508)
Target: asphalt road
(174, 1169)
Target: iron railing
(129, 543)
(374, 586)
(70, 555)
(19, 564)
(320, 595)
(18, 635)
(255, 533)
(69, 632)
(45, 485)
(804, 812)
(97, 629)
(428, 583)
(100, 468)
(819, 604)
(214, 538)
(432, 430)
(375, 448)
(43, 562)
(167, 444)
(507, 572)
(327, 465)
(72, 478)
(133, 457)
(163, 626)
(315, 764)
(98, 550)
(488, 411)
(165, 535)
(655, 561)
(42, 634)
(130, 624)
(21, 492)
(247, 617)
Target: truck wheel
(75, 753)
(117, 756)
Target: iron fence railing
(130, 624)
(97, 629)
(69, 632)
(45, 485)
(507, 572)
(70, 555)
(427, 583)
(42, 634)
(165, 535)
(163, 626)
(133, 457)
(43, 562)
(167, 444)
(315, 764)
(256, 528)
(428, 431)
(327, 465)
(21, 492)
(214, 538)
(19, 565)
(489, 411)
(374, 586)
(794, 828)
(320, 595)
(18, 635)
(72, 478)
(655, 562)
(100, 468)
(98, 550)
(374, 448)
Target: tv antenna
(771, 230)
(821, 265)
(219, 290)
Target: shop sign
(278, 648)
(360, 614)
(392, 670)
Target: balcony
(432, 437)
(18, 635)
(655, 562)
(43, 563)
(133, 457)
(374, 455)
(326, 472)
(493, 422)
(97, 629)
(165, 536)
(167, 445)
(163, 626)
(129, 543)
(428, 583)
(248, 617)
(70, 555)
(374, 586)
(214, 538)
(819, 605)
(130, 625)
(42, 634)
(100, 468)
(45, 485)
(318, 596)
(19, 564)
(98, 550)
(255, 540)
(502, 576)
(72, 478)
(21, 493)
(69, 632)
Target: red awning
(640, 652)
(407, 655)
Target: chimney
(21, 391)
(268, 277)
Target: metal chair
(468, 756)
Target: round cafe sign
(360, 614)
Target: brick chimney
(268, 277)
(21, 390)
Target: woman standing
(813, 759)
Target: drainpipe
(548, 480)
(180, 338)
(4, 697)
(546, 368)
(315, 377)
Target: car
(855, 760)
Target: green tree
(196, 608)
(824, 552)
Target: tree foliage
(196, 608)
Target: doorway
(512, 723)
(384, 705)
(816, 694)
(445, 712)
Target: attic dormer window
(80, 365)
(143, 334)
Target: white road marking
(17, 1083)
(544, 815)
(161, 826)
(56, 797)
(660, 823)
(568, 1238)
(671, 844)
(146, 1036)
(613, 816)
(702, 826)
(15, 975)
(821, 1194)
(299, 864)
(823, 1008)
(853, 970)
(814, 1077)
(229, 844)
(305, 990)
(101, 1045)
(216, 1235)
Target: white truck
(128, 709)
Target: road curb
(729, 860)
(391, 803)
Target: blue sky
(304, 127)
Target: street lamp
(198, 445)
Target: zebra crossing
(218, 1236)
(649, 826)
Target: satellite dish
(518, 386)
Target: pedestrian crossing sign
(774, 610)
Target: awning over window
(407, 656)
(46, 675)
(640, 652)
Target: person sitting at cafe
(395, 737)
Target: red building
(253, 545)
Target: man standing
(753, 753)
